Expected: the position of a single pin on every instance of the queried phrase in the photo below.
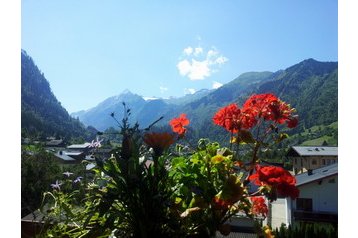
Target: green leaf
(246, 137)
(178, 200)
(194, 160)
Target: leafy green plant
(212, 182)
(38, 169)
(147, 190)
(128, 197)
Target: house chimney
(309, 172)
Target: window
(304, 204)
(323, 161)
(314, 161)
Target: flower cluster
(56, 185)
(178, 124)
(215, 169)
(229, 118)
(259, 206)
(277, 178)
(158, 141)
(259, 106)
(95, 144)
(68, 174)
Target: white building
(74, 153)
(306, 158)
(317, 202)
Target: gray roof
(54, 142)
(64, 156)
(315, 150)
(90, 166)
(79, 146)
(73, 153)
(33, 216)
(237, 235)
(317, 174)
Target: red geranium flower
(258, 104)
(259, 206)
(228, 117)
(288, 190)
(269, 107)
(233, 119)
(279, 112)
(248, 118)
(276, 177)
(178, 124)
(265, 106)
(292, 122)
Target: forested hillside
(41, 113)
(312, 88)
(309, 86)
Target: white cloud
(189, 90)
(198, 51)
(163, 89)
(214, 58)
(216, 85)
(188, 50)
(212, 54)
(184, 67)
(195, 70)
(199, 70)
(196, 64)
(221, 60)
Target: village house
(55, 143)
(317, 202)
(73, 153)
(85, 147)
(305, 158)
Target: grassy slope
(316, 135)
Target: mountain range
(309, 86)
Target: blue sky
(91, 50)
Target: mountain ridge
(88, 116)
(292, 84)
(310, 86)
